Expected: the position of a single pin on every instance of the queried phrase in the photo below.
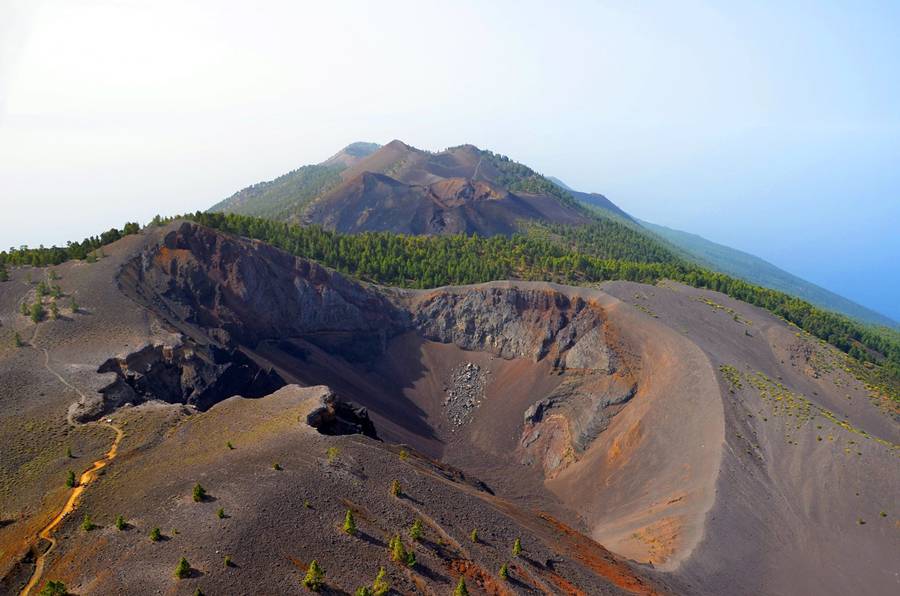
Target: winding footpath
(84, 480)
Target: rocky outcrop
(515, 323)
(560, 427)
(199, 376)
(333, 416)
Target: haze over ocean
(773, 129)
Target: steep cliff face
(242, 292)
(191, 374)
(516, 323)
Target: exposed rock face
(560, 427)
(200, 376)
(334, 416)
(237, 292)
(511, 323)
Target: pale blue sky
(772, 127)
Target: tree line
(602, 251)
(43, 256)
(545, 253)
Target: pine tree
(461, 588)
(54, 310)
(17, 340)
(410, 559)
(349, 524)
(54, 588)
(474, 536)
(315, 577)
(396, 491)
(504, 572)
(517, 547)
(380, 586)
(199, 493)
(398, 553)
(4, 276)
(332, 454)
(71, 482)
(37, 312)
(86, 524)
(415, 532)
(24, 308)
(68, 452)
(183, 569)
(363, 591)
(121, 524)
(220, 513)
(155, 535)
(73, 305)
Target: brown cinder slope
(403, 189)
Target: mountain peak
(352, 153)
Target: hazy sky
(771, 128)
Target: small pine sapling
(315, 577)
(398, 553)
(87, 524)
(415, 532)
(71, 482)
(155, 535)
(332, 454)
(380, 586)
(183, 569)
(517, 547)
(396, 491)
(349, 524)
(54, 588)
(474, 536)
(199, 493)
(461, 588)
(504, 572)
(121, 524)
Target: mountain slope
(399, 188)
(284, 197)
(463, 189)
(759, 271)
